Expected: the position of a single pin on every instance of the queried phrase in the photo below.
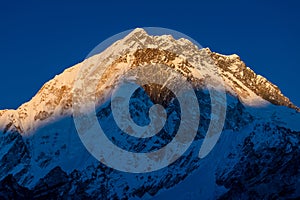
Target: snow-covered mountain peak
(54, 100)
(137, 32)
(258, 147)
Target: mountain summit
(54, 99)
(43, 157)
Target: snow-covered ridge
(245, 81)
(54, 100)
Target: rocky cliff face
(242, 78)
(42, 155)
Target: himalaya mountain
(256, 157)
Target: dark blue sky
(40, 39)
